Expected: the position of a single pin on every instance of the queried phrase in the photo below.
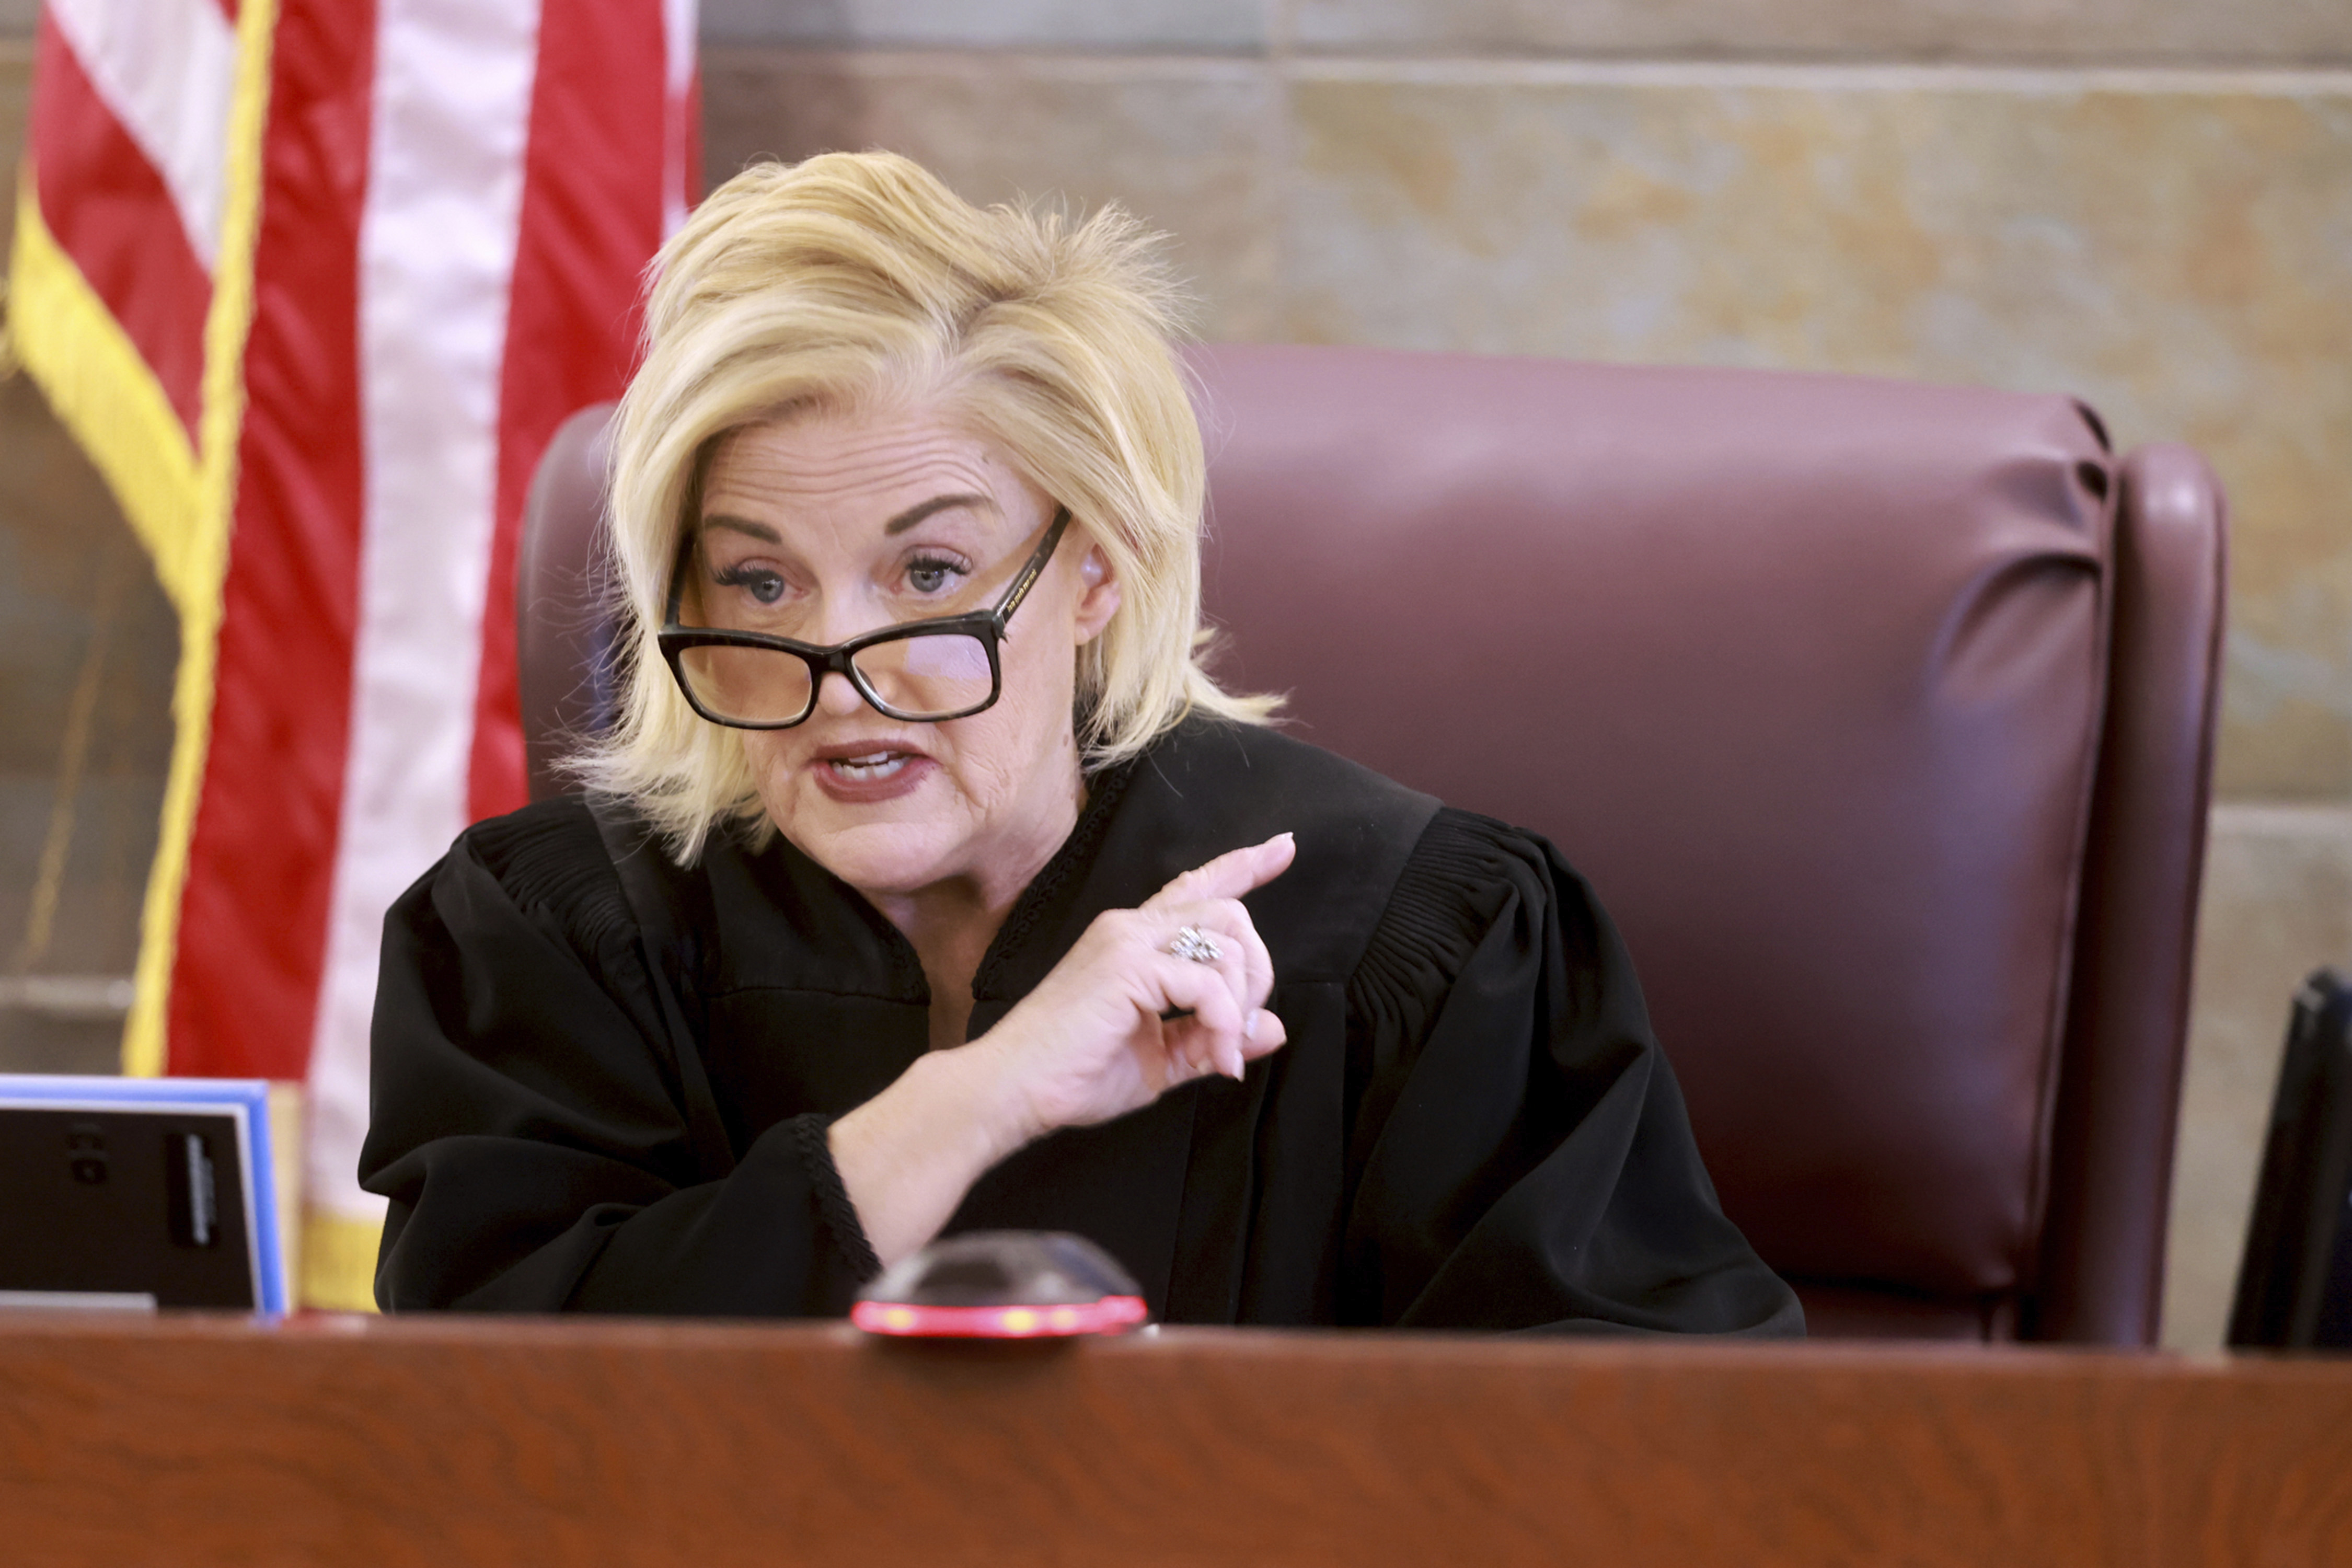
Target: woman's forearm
(908, 1155)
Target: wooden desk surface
(446, 1442)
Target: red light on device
(1107, 1316)
(1002, 1285)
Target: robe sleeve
(534, 1130)
(1522, 1156)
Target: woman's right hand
(1114, 1025)
(1122, 1018)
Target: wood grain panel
(451, 1442)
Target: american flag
(314, 282)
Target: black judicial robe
(601, 1082)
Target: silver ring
(1196, 944)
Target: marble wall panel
(34, 1041)
(2278, 904)
(107, 835)
(1209, 24)
(2102, 32)
(1188, 146)
(88, 648)
(78, 602)
(2176, 249)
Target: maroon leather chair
(1881, 715)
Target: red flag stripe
(254, 910)
(112, 213)
(591, 216)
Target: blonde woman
(927, 882)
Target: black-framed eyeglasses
(922, 671)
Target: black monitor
(137, 1192)
(2294, 1283)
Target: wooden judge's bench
(192, 1442)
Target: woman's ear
(1101, 598)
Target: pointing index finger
(1232, 874)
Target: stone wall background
(2148, 203)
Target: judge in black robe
(602, 1081)
(894, 914)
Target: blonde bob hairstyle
(857, 281)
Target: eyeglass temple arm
(677, 578)
(1034, 569)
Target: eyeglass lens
(922, 676)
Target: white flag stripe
(678, 20)
(168, 70)
(437, 237)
